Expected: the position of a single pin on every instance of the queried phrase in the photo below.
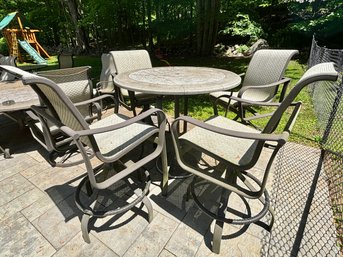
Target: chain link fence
(328, 104)
(307, 188)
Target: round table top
(14, 96)
(178, 80)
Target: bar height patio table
(177, 81)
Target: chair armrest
(96, 99)
(250, 102)
(284, 89)
(77, 134)
(32, 115)
(98, 85)
(275, 84)
(95, 103)
(280, 138)
(142, 116)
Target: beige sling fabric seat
(112, 140)
(232, 149)
(130, 60)
(261, 83)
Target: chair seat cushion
(235, 150)
(114, 142)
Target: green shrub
(244, 27)
(3, 46)
(242, 49)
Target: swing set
(17, 31)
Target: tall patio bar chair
(65, 60)
(106, 85)
(129, 60)
(76, 84)
(112, 140)
(235, 149)
(264, 76)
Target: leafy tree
(178, 26)
(244, 27)
(325, 18)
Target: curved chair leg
(147, 203)
(164, 183)
(189, 193)
(6, 152)
(217, 236)
(214, 105)
(84, 227)
(89, 189)
(218, 228)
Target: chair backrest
(107, 69)
(75, 83)
(267, 66)
(65, 61)
(57, 102)
(129, 60)
(319, 72)
(7, 60)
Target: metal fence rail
(308, 182)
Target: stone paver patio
(38, 216)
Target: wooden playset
(18, 33)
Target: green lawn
(305, 131)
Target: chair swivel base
(220, 216)
(89, 211)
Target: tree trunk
(81, 39)
(207, 25)
(149, 10)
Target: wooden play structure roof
(19, 31)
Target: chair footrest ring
(96, 213)
(243, 221)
